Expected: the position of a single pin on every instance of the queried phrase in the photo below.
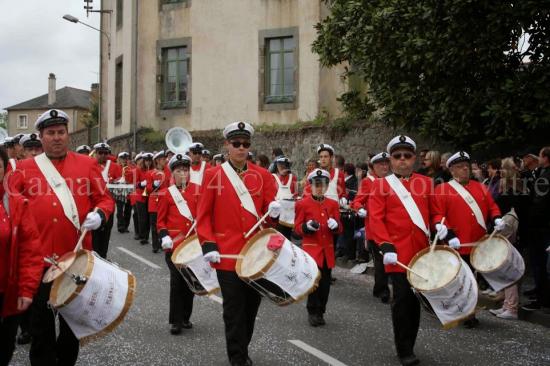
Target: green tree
(4, 120)
(475, 73)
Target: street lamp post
(73, 19)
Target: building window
(119, 13)
(118, 92)
(22, 121)
(280, 65)
(173, 1)
(175, 67)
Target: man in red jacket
(198, 165)
(63, 189)
(156, 182)
(399, 218)
(234, 196)
(379, 167)
(317, 221)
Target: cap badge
(241, 126)
(402, 138)
(53, 113)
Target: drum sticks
(407, 268)
(257, 224)
(432, 246)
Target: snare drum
(199, 275)
(284, 276)
(498, 261)
(120, 191)
(451, 288)
(98, 301)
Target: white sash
(283, 191)
(408, 202)
(180, 202)
(470, 201)
(240, 189)
(105, 172)
(332, 190)
(371, 178)
(59, 186)
(13, 164)
(196, 177)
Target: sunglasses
(398, 156)
(237, 144)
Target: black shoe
(409, 360)
(313, 320)
(175, 329)
(471, 323)
(121, 231)
(136, 237)
(144, 242)
(24, 338)
(530, 292)
(385, 298)
(156, 250)
(320, 319)
(240, 362)
(186, 324)
(532, 306)
(125, 231)
(332, 280)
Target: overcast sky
(35, 40)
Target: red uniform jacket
(222, 221)
(22, 265)
(141, 175)
(390, 223)
(319, 244)
(58, 235)
(284, 181)
(154, 192)
(459, 216)
(115, 171)
(361, 199)
(169, 220)
(340, 186)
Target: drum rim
(180, 247)
(71, 256)
(246, 248)
(54, 292)
(199, 293)
(424, 251)
(485, 237)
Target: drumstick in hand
(82, 236)
(257, 224)
(407, 268)
(231, 256)
(432, 247)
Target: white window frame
(19, 127)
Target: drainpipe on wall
(134, 78)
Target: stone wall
(79, 137)
(355, 141)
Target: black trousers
(380, 277)
(143, 220)
(123, 214)
(317, 300)
(101, 237)
(135, 218)
(405, 313)
(285, 230)
(240, 307)
(181, 297)
(8, 332)
(46, 349)
(348, 223)
(154, 235)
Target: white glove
(362, 213)
(167, 243)
(343, 202)
(390, 258)
(454, 243)
(92, 222)
(309, 225)
(156, 183)
(275, 209)
(499, 224)
(213, 257)
(143, 183)
(442, 231)
(359, 233)
(332, 224)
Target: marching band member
(83, 149)
(60, 210)
(20, 263)
(19, 152)
(144, 164)
(14, 151)
(233, 197)
(286, 191)
(131, 177)
(198, 166)
(31, 145)
(177, 208)
(111, 172)
(379, 167)
(123, 207)
(337, 185)
(218, 159)
(206, 156)
(317, 221)
(399, 219)
(467, 207)
(156, 181)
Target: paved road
(358, 330)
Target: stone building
(199, 64)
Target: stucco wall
(76, 116)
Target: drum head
(188, 250)
(257, 259)
(62, 265)
(64, 287)
(489, 254)
(439, 267)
